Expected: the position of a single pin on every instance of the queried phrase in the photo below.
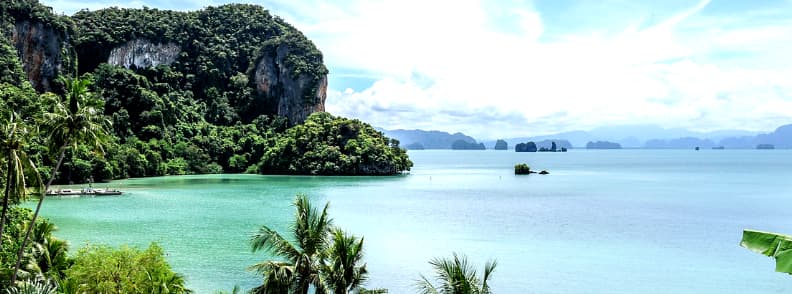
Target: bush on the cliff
(329, 145)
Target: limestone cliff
(39, 47)
(292, 96)
(237, 59)
(142, 53)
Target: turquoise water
(604, 221)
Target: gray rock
(39, 47)
(142, 53)
(294, 97)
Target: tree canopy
(201, 113)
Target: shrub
(103, 269)
(521, 169)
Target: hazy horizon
(620, 132)
(493, 68)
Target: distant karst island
(603, 145)
(637, 137)
(501, 145)
(465, 145)
(532, 147)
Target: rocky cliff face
(142, 53)
(293, 97)
(39, 47)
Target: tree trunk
(5, 201)
(35, 215)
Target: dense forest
(223, 89)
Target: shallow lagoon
(604, 221)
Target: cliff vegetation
(209, 91)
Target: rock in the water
(544, 172)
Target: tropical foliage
(456, 276)
(321, 257)
(18, 167)
(102, 269)
(69, 122)
(329, 145)
(340, 263)
(775, 245)
(200, 114)
(299, 268)
(45, 256)
(522, 169)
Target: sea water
(603, 221)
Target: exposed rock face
(39, 48)
(295, 98)
(142, 53)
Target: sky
(510, 68)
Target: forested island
(220, 90)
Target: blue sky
(513, 68)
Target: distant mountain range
(413, 139)
(634, 136)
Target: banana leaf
(774, 245)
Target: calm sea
(604, 221)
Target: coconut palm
(163, 282)
(456, 276)
(340, 269)
(47, 259)
(78, 120)
(299, 268)
(12, 140)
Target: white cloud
(493, 69)
(506, 81)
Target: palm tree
(299, 271)
(48, 259)
(340, 268)
(163, 282)
(77, 121)
(14, 134)
(456, 276)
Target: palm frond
(424, 286)
(455, 275)
(489, 268)
(269, 240)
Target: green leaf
(770, 244)
(761, 242)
